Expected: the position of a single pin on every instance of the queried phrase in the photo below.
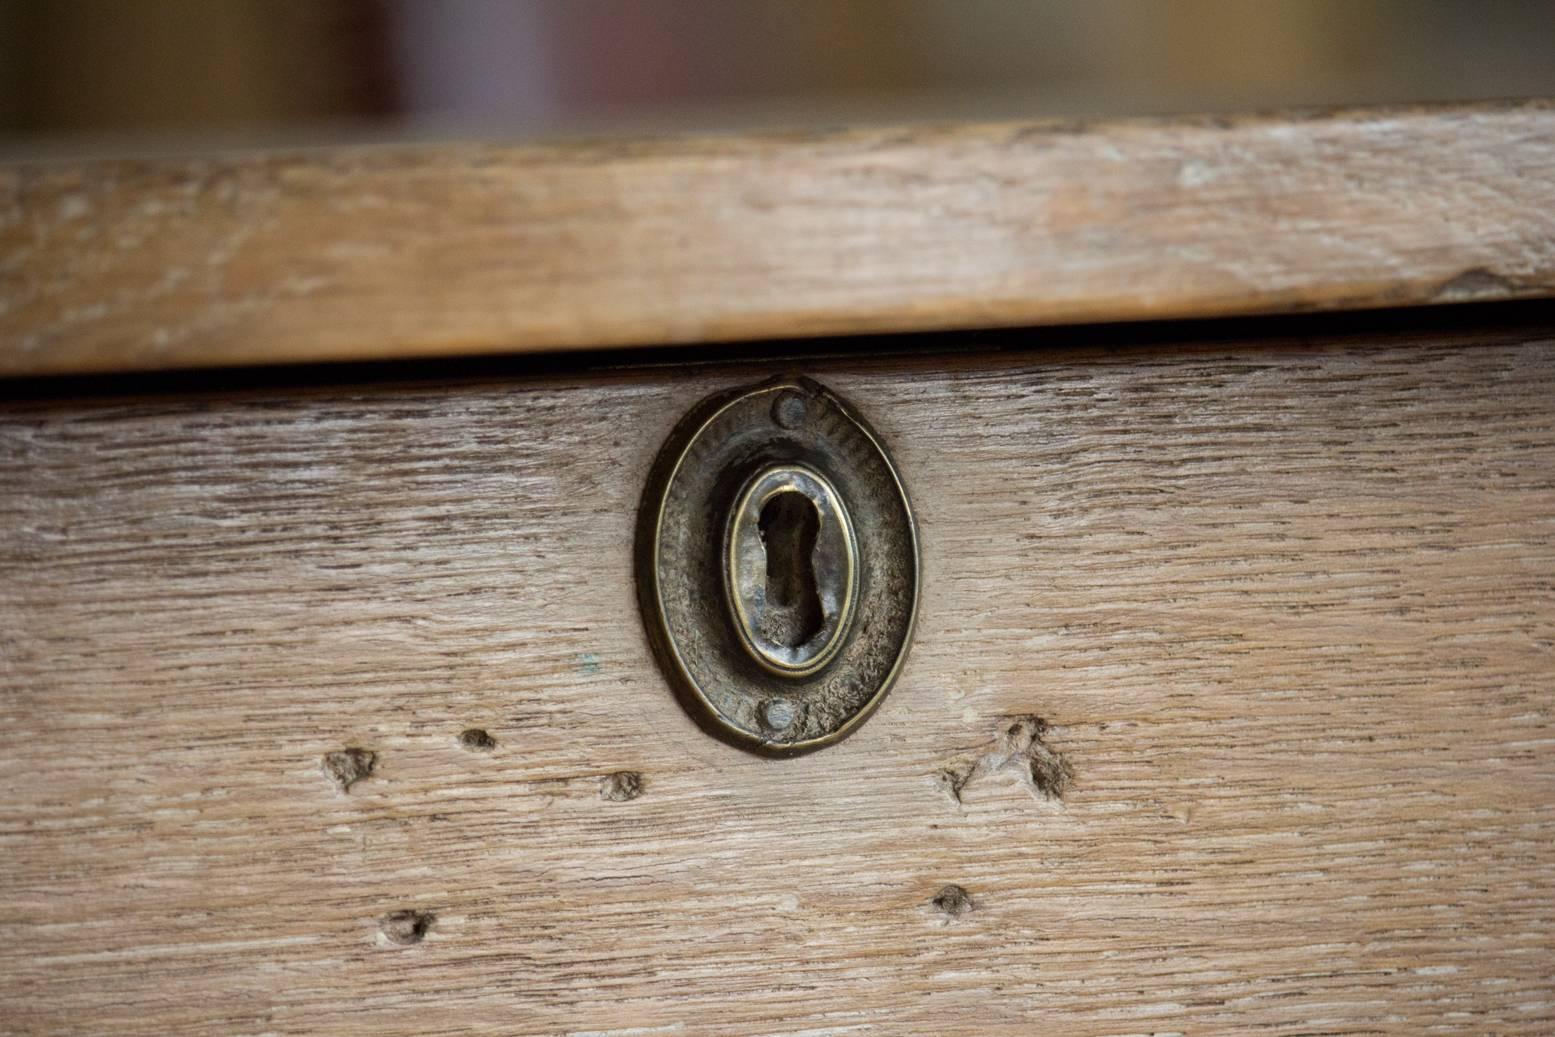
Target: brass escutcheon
(777, 566)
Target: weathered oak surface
(377, 252)
(1289, 611)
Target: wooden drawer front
(1285, 610)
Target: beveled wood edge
(417, 252)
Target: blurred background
(110, 73)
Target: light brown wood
(1286, 610)
(396, 252)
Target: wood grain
(399, 252)
(1287, 610)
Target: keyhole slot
(790, 560)
(789, 525)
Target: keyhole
(789, 569)
(789, 525)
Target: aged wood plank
(1288, 610)
(394, 252)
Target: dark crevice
(789, 526)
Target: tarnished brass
(790, 569)
(777, 566)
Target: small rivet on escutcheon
(779, 714)
(789, 410)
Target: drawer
(328, 704)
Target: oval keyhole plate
(777, 566)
